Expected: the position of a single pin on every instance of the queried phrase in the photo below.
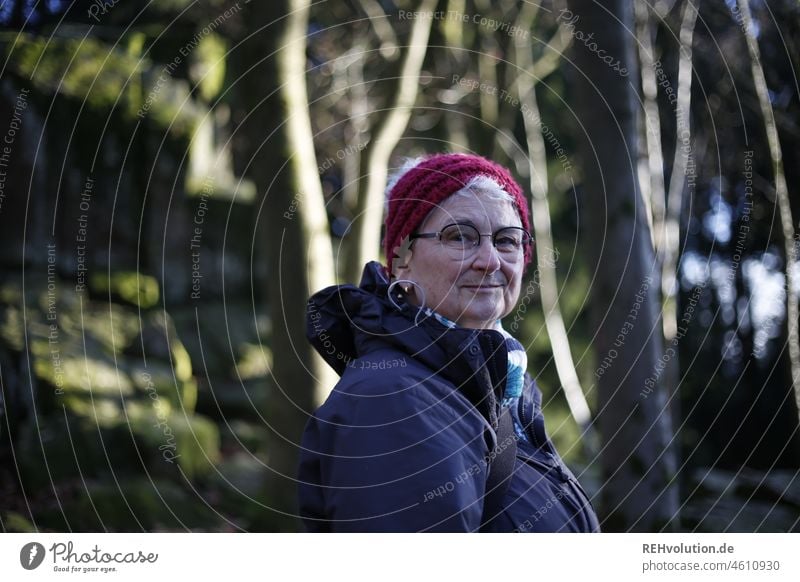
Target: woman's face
(473, 291)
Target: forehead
(486, 209)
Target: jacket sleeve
(411, 458)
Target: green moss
(10, 293)
(80, 374)
(198, 444)
(11, 327)
(181, 361)
(84, 68)
(105, 412)
(190, 441)
(16, 523)
(156, 382)
(208, 68)
(182, 364)
(111, 325)
(63, 447)
(133, 504)
(130, 286)
(105, 77)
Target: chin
(480, 321)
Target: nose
(486, 258)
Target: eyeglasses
(463, 240)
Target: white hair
(480, 183)
(487, 186)
(408, 165)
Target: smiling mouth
(483, 287)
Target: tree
(540, 217)
(366, 227)
(296, 231)
(636, 459)
(782, 194)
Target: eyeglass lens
(466, 238)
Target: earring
(406, 290)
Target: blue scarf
(517, 365)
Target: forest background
(177, 177)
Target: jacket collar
(345, 322)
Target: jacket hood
(345, 322)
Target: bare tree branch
(367, 223)
(537, 160)
(655, 196)
(683, 170)
(382, 28)
(551, 58)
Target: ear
(402, 258)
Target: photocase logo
(31, 555)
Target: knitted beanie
(428, 183)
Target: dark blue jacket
(402, 442)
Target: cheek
(438, 279)
(515, 280)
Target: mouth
(484, 287)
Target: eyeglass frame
(476, 246)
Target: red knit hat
(427, 184)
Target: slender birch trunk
(366, 227)
(782, 195)
(545, 249)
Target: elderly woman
(435, 424)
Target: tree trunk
(545, 249)
(293, 224)
(366, 228)
(782, 195)
(636, 459)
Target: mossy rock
(221, 398)
(230, 335)
(207, 68)
(743, 501)
(64, 448)
(13, 522)
(190, 443)
(70, 369)
(242, 436)
(112, 325)
(158, 381)
(242, 477)
(130, 287)
(139, 504)
(12, 327)
(169, 365)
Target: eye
(508, 239)
(462, 234)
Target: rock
(159, 357)
(175, 440)
(139, 504)
(64, 448)
(131, 287)
(222, 398)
